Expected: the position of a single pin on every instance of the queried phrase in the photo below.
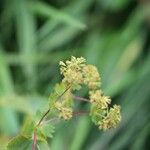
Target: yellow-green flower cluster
(91, 77)
(112, 119)
(102, 115)
(97, 98)
(76, 73)
(64, 112)
(72, 70)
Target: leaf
(43, 146)
(20, 143)
(44, 131)
(9, 123)
(48, 130)
(76, 87)
(81, 132)
(59, 15)
(52, 98)
(28, 127)
(96, 114)
(38, 116)
(26, 38)
(23, 143)
(58, 90)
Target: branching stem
(42, 118)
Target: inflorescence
(75, 74)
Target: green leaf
(48, 130)
(20, 143)
(96, 114)
(52, 98)
(60, 88)
(81, 132)
(59, 15)
(44, 131)
(76, 87)
(26, 37)
(28, 127)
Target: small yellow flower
(72, 70)
(91, 77)
(99, 99)
(112, 119)
(58, 105)
(64, 112)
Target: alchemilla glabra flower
(77, 73)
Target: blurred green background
(114, 35)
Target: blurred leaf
(59, 15)
(140, 139)
(28, 127)
(9, 122)
(35, 59)
(47, 130)
(20, 143)
(82, 130)
(25, 104)
(25, 26)
(59, 38)
(115, 5)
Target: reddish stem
(81, 99)
(34, 140)
(80, 113)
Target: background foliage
(113, 35)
